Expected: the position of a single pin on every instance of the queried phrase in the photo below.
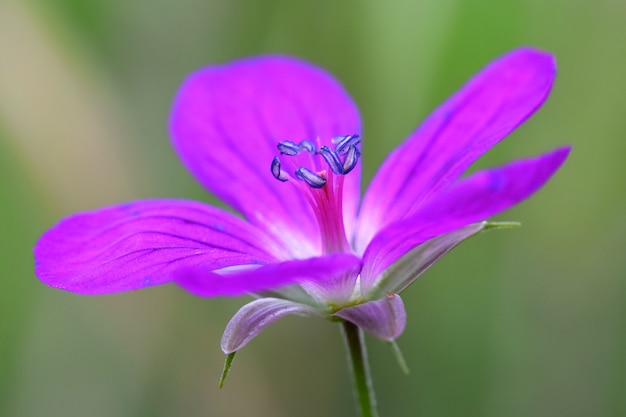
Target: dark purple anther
(309, 146)
(332, 160)
(277, 172)
(343, 143)
(310, 177)
(352, 158)
(287, 147)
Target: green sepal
(501, 225)
(229, 362)
(399, 357)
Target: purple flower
(278, 140)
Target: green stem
(357, 357)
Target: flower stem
(357, 358)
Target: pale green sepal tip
(399, 357)
(229, 362)
(501, 225)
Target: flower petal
(254, 317)
(384, 318)
(336, 287)
(473, 199)
(318, 272)
(488, 192)
(138, 244)
(227, 121)
(485, 110)
(401, 273)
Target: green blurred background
(524, 322)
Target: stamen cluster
(341, 160)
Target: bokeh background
(523, 322)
